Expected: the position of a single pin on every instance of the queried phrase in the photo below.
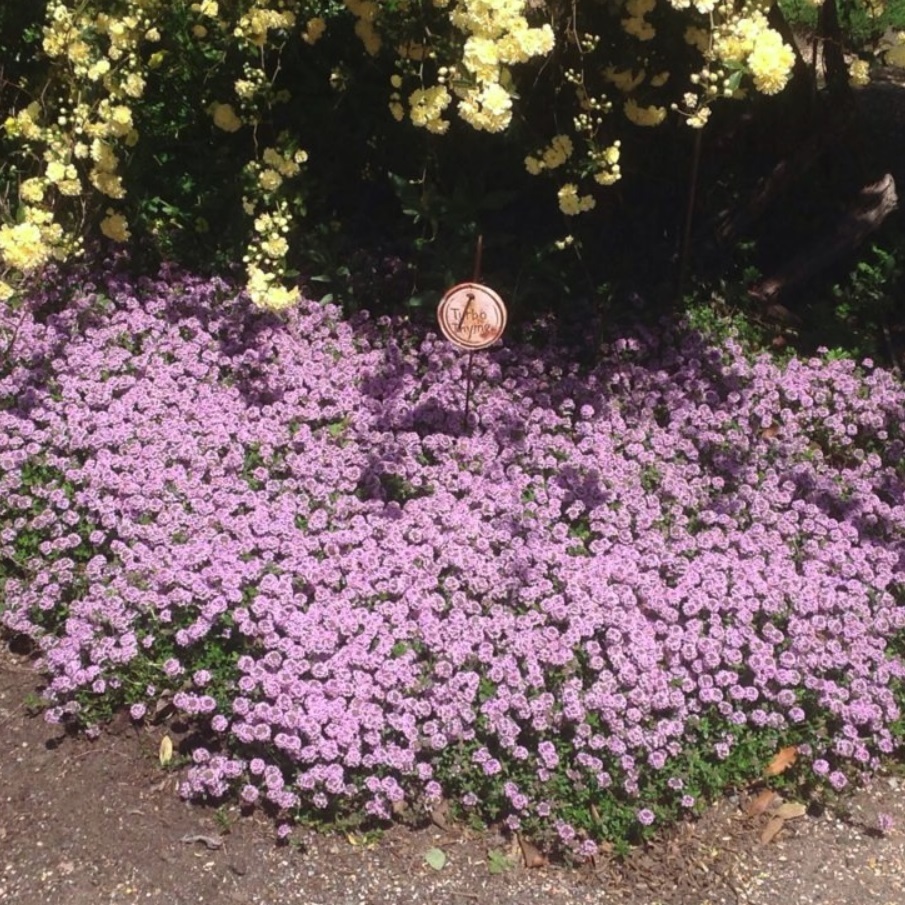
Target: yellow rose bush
(211, 126)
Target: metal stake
(479, 251)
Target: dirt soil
(92, 822)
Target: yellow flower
(283, 165)
(644, 116)
(533, 165)
(397, 111)
(489, 109)
(481, 58)
(697, 37)
(120, 120)
(32, 190)
(699, 118)
(265, 293)
(770, 62)
(607, 177)
(275, 247)
(114, 226)
(225, 117)
(270, 180)
(6, 291)
(98, 70)
(209, 8)
(22, 246)
(427, 106)
(368, 36)
(640, 7)
(624, 79)
(558, 152)
(859, 73)
(570, 203)
(103, 156)
(531, 42)
(70, 187)
(134, 85)
(314, 30)
(78, 52)
(639, 28)
(108, 184)
(56, 171)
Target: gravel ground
(89, 823)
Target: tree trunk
(872, 206)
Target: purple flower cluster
(279, 528)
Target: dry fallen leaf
(761, 803)
(440, 814)
(771, 830)
(166, 750)
(435, 858)
(781, 761)
(360, 840)
(791, 810)
(532, 855)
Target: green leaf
(734, 81)
(435, 858)
(498, 862)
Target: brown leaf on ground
(781, 761)
(761, 803)
(440, 814)
(771, 830)
(532, 855)
(791, 810)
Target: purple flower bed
(621, 589)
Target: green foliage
(861, 315)
(859, 23)
(865, 301)
(498, 862)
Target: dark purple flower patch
(619, 584)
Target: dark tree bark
(834, 68)
(871, 207)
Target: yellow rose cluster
(571, 203)
(498, 35)
(770, 62)
(267, 203)
(606, 163)
(893, 49)
(255, 26)
(495, 36)
(78, 142)
(445, 60)
(635, 24)
(426, 106)
(554, 155)
(365, 12)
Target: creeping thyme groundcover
(622, 587)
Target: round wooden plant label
(471, 316)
